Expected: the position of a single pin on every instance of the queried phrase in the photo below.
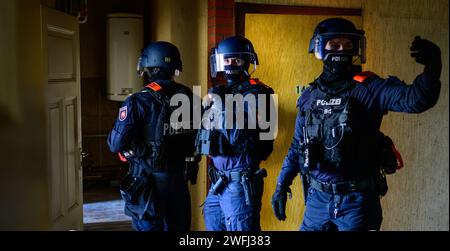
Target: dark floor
(100, 191)
(103, 208)
(109, 226)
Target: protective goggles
(223, 62)
(141, 70)
(355, 47)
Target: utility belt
(153, 156)
(215, 176)
(345, 187)
(151, 163)
(252, 182)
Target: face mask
(234, 74)
(338, 64)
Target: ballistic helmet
(160, 57)
(235, 47)
(337, 28)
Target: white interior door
(60, 36)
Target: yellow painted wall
(185, 23)
(419, 194)
(284, 64)
(23, 169)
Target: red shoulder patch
(154, 86)
(254, 81)
(361, 77)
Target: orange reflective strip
(254, 81)
(360, 77)
(154, 86)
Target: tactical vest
(334, 131)
(250, 144)
(328, 129)
(157, 134)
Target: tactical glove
(279, 199)
(427, 53)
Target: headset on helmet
(236, 46)
(337, 28)
(162, 56)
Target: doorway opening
(103, 207)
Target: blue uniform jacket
(376, 96)
(143, 110)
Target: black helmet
(235, 46)
(337, 28)
(162, 56)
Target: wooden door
(60, 40)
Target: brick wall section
(220, 20)
(220, 23)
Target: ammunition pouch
(310, 157)
(137, 193)
(253, 185)
(381, 183)
(305, 185)
(389, 159)
(155, 157)
(191, 169)
(203, 142)
(131, 186)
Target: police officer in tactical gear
(234, 200)
(155, 190)
(336, 138)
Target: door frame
(250, 8)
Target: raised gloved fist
(425, 52)
(279, 199)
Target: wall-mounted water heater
(124, 45)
